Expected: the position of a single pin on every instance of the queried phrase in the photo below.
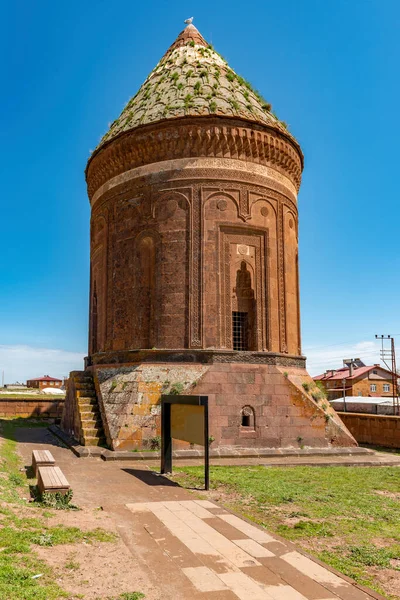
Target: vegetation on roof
(193, 79)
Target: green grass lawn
(348, 517)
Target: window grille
(240, 330)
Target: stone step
(89, 415)
(93, 422)
(89, 392)
(91, 431)
(87, 412)
(88, 379)
(94, 441)
(86, 400)
(84, 386)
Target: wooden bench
(52, 479)
(42, 458)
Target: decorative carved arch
(222, 194)
(249, 266)
(143, 318)
(265, 201)
(170, 195)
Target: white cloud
(20, 363)
(321, 358)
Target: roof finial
(189, 21)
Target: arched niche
(244, 310)
(98, 292)
(291, 281)
(247, 418)
(222, 206)
(263, 211)
(144, 291)
(172, 215)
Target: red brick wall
(380, 430)
(28, 407)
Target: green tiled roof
(193, 80)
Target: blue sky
(329, 68)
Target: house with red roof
(44, 382)
(356, 379)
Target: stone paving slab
(232, 562)
(183, 545)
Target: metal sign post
(184, 418)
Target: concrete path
(189, 548)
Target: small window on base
(248, 417)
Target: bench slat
(43, 456)
(52, 479)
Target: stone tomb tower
(194, 263)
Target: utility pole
(389, 354)
(344, 394)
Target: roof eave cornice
(149, 126)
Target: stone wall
(378, 430)
(356, 407)
(29, 407)
(250, 405)
(129, 399)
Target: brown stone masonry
(194, 281)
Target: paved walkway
(191, 549)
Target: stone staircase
(92, 433)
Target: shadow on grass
(29, 472)
(382, 448)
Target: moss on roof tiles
(192, 79)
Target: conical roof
(192, 79)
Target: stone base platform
(251, 405)
(274, 457)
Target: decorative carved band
(194, 138)
(121, 357)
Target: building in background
(356, 379)
(15, 386)
(44, 382)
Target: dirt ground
(96, 570)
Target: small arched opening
(247, 416)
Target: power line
(343, 343)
